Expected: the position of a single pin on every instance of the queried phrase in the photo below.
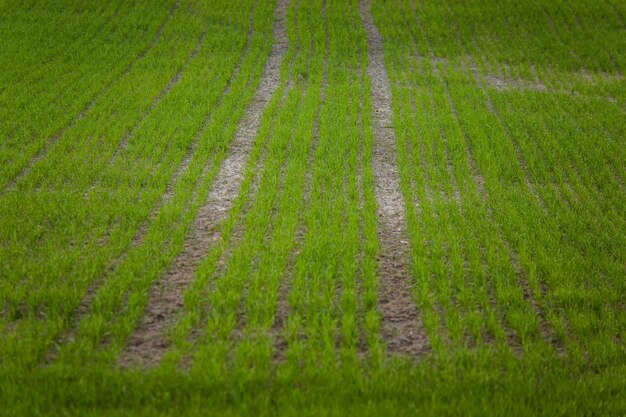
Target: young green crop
(99, 176)
(37, 111)
(118, 119)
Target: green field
(313, 207)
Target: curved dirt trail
(149, 341)
(401, 326)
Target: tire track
(401, 326)
(91, 292)
(149, 341)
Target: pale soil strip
(401, 325)
(139, 237)
(282, 302)
(238, 333)
(191, 150)
(149, 341)
(233, 238)
(225, 244)
(55, 138)
(87, 300)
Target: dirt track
(149, 341)
(402, 328)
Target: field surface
(313, 207)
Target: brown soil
(401, 326)
(504, 83)
(149, 341)
(184, 165)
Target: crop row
(510, 170)
(164, 122)
(512, 174)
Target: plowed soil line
(149, 341)
(401, 326)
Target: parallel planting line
(189, 328)
(171, 83)
(149, 341)
(57, 136)
(401, 326)
(513, 339)
(87, 300)
(535, 300)
(37, 80)
(191, 151)
(283, 307)
(128, 288)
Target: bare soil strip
(191, 150)
(149, 341)
(90, 294)
(57, 136)
(401, 326)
